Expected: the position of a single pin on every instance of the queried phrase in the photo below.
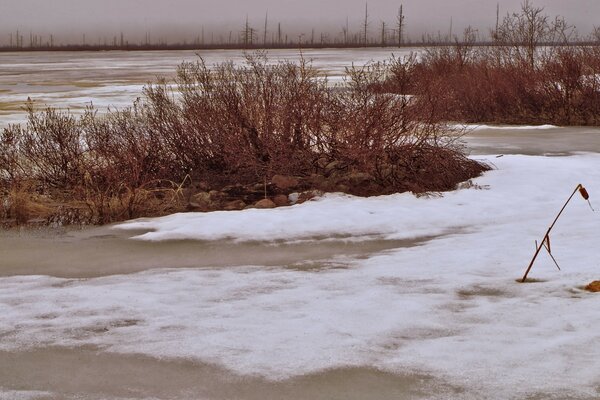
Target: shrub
(230, 124)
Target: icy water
(394, 297)
(115, 79)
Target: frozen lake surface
(115, 79)
(390, 297)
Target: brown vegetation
(218, 140)
(532, 74)
(593, 287)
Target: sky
(184, 19)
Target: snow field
(450, 307)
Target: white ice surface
(480, 127)
(450, 307)
(23, 394)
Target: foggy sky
(178, 19)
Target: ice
(450, 307)
(23, 394)
(399, 216)
(115, 79)
(482, 127)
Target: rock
(309, 195)
(317, 179)
(191, 206)
(201, 198)
(593, 287)
(234, 190)
(281, 200)
(265, 203)
(216, 195)
(284, 182)
(235, 205)
(357, 178)
(200, 202)
(343, 188)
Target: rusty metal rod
(539, 247)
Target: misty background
(179, 20)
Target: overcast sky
(176, 19)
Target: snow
(23, 394)
(449, 307)
(482, 127)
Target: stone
(317, 179)
(343, 188)
(593, 287)
(357, 178)
(234, 205)
(202, 198)
(281, 200)
(200, 202)
(309, 195)
(233, 190)
(284, 182)
(265, 203)
(191, 206)
(216, 195)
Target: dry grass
(22, 204)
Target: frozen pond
(344, 298)
(115, 79)
(390, 297)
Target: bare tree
(345, 31)
(366, 24)
(400, 21)
(265, 31)
(248, 34)
(522, 33)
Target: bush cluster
(531, 74)
(562, 88)
(232, 124)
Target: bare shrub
(125, 161)
(246, 121)
(237, 124)
(520, 35)
(52, 147)
(562, 89)
(11, 170)
(531, 74)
